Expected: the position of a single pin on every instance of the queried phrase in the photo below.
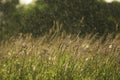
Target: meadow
(60, 57)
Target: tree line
(76, 16)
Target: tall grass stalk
(60, 57)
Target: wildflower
(110, 46)
(86, 59)
(49, 58)
(87, 46)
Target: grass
(63, 57)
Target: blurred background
(76, 16)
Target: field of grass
(63, 57)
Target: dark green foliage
(86, 15)
(8, 18)
(76, 16)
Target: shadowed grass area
(63, 57)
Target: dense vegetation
(76, 16)
(60, 40)
(63, 57)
